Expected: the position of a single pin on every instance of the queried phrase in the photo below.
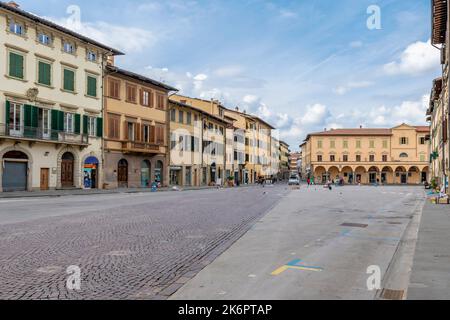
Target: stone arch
(414, 175)
(76, 167)
(29, 167)
(387, 175)
(333, 173)
(100, 166)
(319, 173)
(400, 173)
(361, 175)
(347, 173)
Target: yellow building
(388, 156)
(136, 131)
(197, 149)
(284, 160)
(51, 104)
(438, 113)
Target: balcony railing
(143, 147)
(11, 131)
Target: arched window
(403, 155)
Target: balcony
(33, 135)
(140, 147)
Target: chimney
(13, 4)
(361, 127)
(237, 109)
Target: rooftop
(14, 8)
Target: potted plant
(230, 181)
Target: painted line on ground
(295, 265)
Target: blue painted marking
(294, 263)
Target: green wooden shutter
(85, 124)
(60, 120)
(28, 131)
(15, 65)
(92, 86)
(34, 117)
(7, 107)
(44, 73)
(69, 80)
(77, 123)
(100, 127)
(54, 124)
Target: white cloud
(200, 77)
(284, 13)
(356, 44)
(136, 39)
(417, 58)
(315, 115)
(341, 90)
(229, 71)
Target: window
(403, 141)
(44, 39)
(161, 102)
(332, 158)
(69, 80)
(385, 144)
(221, 131)
(15, 119)
(69, 122)
(130, 131)
(332, 144)
(358, 158)
(345, 158)
(358, 144)
(146, 133)
(385, 158)
(113, 127)
(345, 144)
(44, 73)
(92, 126)
(372, 144)
(319, 144)
(16, 65)
(16, 28)
(91, 56)
(422, 140)
(422, 158)
(173, 115)
(189, 118)
(180, 117)
(92, 86)
(319, 158)
(403, 155)
(372, 158)
(114, 89)
(131, 93)
(146, 98)
(69, 47)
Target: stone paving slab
(430, 278)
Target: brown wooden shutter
(125, 127)
(152, 134)
(150, 99)
(444, 130)
(141, 97)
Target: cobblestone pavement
(143, 246)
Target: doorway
(372, 177)
(45, 172)
(404, 178)
(67, 166)
(122, 174)
(145, 174)
(15, 171)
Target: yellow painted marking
(305, 268)
(280, 270)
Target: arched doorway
(414, 175)
(15, 171)
(67, 168)
(122, 173)
(159, 173)
(90, 173)
(347, 172)
(425, 174)
(334, 173)
(387, 176)
(320, 174)
(145, 174)
(213, 172)
(373, 175)
(360, 173)
(401, 175)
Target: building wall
(327, 146)
(47, 154)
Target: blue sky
(301, 65)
